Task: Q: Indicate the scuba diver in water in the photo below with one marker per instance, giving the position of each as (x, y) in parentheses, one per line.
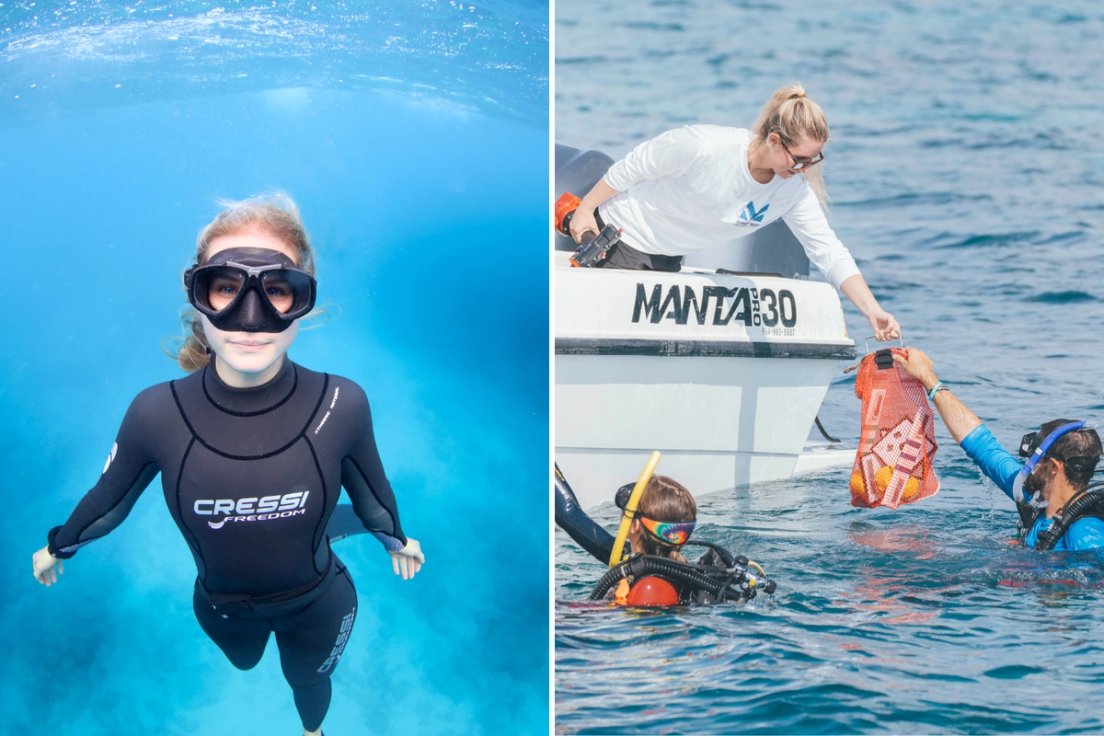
(253, 451)
(1060, 508)
(658, 516)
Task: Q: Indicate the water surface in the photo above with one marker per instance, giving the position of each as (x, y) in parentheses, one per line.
(965, 173)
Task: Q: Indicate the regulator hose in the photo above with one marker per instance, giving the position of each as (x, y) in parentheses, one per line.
(1089, 496)
(717, 581)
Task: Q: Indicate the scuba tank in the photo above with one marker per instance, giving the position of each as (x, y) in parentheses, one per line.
(717, 577)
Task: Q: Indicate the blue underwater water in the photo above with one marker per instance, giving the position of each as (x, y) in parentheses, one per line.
(966, 177)
(425, 195)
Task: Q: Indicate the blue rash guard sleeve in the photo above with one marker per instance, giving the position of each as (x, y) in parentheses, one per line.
(996, 462)
(1002, 467)
(1086, 533)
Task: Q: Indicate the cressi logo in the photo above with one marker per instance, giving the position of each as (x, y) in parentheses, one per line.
(252, 508)
(339, 645)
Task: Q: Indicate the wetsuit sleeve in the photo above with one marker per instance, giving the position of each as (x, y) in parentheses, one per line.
(129, 469)
(1086, 533)
(824, 249)
(364, 480)
(995, 461)
(580, 527)
(674, 153)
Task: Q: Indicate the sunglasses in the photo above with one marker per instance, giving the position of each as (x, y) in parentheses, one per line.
(803, 162)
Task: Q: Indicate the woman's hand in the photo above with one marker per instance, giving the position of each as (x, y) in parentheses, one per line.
(583, 219)
(408, 560)
(44, 563)
(884, 324)
(581, 222)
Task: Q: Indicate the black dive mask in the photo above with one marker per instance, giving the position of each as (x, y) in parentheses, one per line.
(250, 290)
(621, 498)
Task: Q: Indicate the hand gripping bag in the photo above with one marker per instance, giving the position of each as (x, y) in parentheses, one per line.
(894, 462)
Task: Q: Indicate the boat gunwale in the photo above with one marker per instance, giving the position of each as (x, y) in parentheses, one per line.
(658, 347)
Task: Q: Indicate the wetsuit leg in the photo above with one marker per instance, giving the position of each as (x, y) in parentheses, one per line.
(311, 643)
(242, 641)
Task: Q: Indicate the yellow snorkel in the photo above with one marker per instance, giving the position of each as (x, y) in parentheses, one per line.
(629, 511)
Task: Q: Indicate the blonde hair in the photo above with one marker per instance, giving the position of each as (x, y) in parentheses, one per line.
(793, 116)
(668, 500)
(274, 214)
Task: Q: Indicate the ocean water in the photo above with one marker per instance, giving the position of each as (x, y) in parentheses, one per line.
(121, 126)
(966, 177)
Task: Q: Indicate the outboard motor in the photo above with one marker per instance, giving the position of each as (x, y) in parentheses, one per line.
(577, 171)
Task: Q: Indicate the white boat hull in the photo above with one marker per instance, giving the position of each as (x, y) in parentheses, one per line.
(727, 402)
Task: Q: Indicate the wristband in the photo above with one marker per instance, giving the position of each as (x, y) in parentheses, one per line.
(936, 389)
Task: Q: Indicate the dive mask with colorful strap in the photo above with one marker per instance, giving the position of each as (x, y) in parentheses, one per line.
(670, 533)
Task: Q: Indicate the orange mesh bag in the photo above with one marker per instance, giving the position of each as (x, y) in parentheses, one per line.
(894, 462)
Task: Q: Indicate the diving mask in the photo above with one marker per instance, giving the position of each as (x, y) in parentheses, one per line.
(1034, 447)
(669, 533)
(250, 290)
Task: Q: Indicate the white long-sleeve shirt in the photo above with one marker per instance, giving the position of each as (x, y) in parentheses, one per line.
(690, 189)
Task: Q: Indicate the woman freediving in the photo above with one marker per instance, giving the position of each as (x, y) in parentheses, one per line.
(702, 186)
(253, 451)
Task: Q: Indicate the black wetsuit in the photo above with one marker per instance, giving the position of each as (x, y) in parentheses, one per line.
(580, 527)
(251, 477)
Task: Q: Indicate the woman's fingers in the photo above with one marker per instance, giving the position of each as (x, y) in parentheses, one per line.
(885, 327)
(395, 563)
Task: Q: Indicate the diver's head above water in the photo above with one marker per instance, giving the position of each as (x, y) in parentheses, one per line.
(1070, 453)
(253, 280)
(664, 519)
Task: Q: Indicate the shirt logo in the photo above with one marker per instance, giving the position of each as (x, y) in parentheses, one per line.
(750, 217)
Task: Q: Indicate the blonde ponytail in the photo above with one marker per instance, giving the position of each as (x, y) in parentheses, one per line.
(794, 117)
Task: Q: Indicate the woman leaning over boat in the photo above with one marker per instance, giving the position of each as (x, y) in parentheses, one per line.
(702, 186)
